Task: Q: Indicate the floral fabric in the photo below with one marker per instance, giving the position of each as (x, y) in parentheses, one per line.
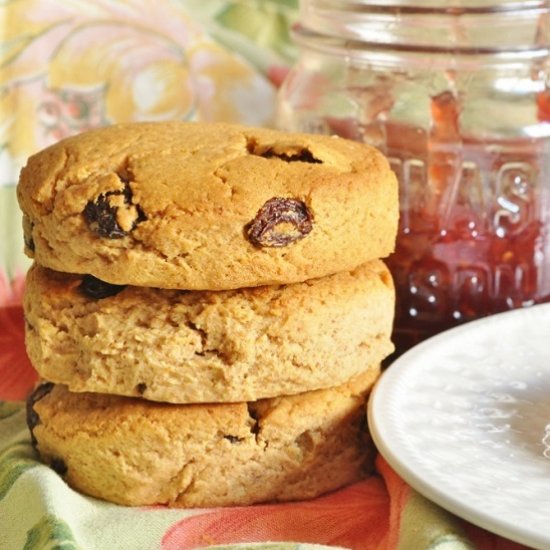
(70, 65)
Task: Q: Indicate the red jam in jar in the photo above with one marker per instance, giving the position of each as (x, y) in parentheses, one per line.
(473, 235)
(456, 97)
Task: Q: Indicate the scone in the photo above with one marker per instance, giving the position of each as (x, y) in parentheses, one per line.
(207, 206)
(135, 452)
(198, 346)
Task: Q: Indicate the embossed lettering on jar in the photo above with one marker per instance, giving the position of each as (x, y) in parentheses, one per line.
(456, 95)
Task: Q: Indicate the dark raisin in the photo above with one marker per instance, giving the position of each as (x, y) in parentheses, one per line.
(58, 465)
(27, 234)
(280, 222)
(233, 438)
(141, 387)
(102, 213)
(32, 417)
(254, 415)
(29, 243)
(96, 288)
(304, 155)
(101, 218)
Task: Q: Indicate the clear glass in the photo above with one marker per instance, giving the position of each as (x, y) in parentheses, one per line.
(456, 95)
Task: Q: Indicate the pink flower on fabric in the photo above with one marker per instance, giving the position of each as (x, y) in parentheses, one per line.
(17, 376)
(355, 517)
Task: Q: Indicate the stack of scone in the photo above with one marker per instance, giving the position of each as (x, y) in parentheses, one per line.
(207, 310)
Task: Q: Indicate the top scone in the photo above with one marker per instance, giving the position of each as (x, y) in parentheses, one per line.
(206, 206)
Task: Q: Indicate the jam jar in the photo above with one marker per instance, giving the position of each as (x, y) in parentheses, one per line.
(455, 94)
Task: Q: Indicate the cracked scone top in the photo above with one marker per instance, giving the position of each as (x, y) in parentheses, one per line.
(206, 206)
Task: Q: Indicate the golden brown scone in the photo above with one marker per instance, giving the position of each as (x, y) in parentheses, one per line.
(136, 452)
(207, 206)
(200, 346)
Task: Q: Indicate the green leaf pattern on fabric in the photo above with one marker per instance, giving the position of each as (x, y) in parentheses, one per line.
(263, 22)
(258, 30)
(440, 530)
(51, 532)
(450, 542)
(8, 409)
(14, 461)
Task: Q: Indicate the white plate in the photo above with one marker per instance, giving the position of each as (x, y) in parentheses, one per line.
(464, 418)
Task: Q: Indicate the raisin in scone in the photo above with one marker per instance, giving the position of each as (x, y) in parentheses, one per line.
(137, 452)
(202, 346)
(206, 206)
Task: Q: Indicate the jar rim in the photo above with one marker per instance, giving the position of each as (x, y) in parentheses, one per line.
(514, 26)
(332, 44)
(447, 7)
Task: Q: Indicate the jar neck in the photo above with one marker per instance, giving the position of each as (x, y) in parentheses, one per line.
(458, 26)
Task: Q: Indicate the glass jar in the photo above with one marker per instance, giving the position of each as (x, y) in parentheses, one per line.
(455, 94)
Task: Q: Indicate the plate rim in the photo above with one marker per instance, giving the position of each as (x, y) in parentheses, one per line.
(379, 427)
